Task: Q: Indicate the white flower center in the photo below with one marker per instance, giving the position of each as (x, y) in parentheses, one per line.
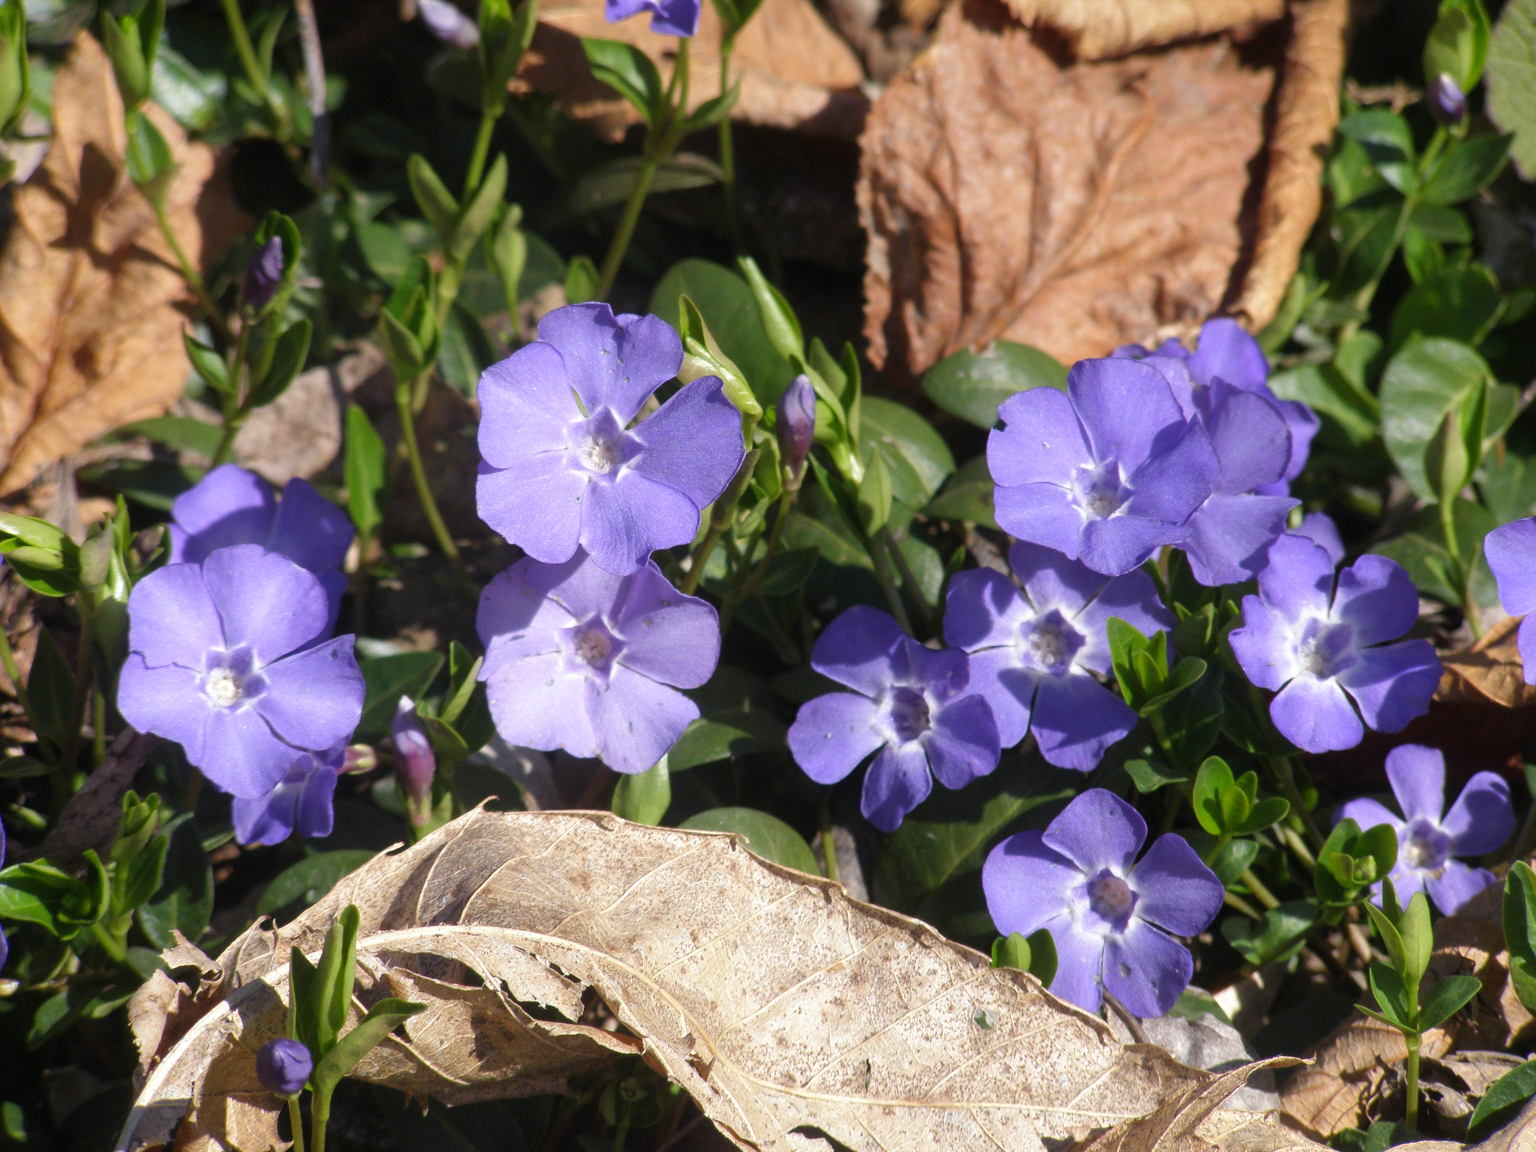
(1051, 644)
(1325, 649)
(907, 712)
(1110, 899)
(1425, 848)
(598, 455)
(223, 687)
(1101, 492)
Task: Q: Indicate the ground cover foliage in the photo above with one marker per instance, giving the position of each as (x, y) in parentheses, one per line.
(777, 576)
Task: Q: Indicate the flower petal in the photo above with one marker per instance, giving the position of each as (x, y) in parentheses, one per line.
(265, 600)
(228, 506)
(171, 618)
(669, 637)
(857, 649)
(832, 735)
(1117, 545)
(537, 703)
(1368, 813)
(1265, 646)
(1076, 720)
(1298, 579)
(1026, 883)
(1456, 886)
(692, 442)
(981, 609)
(897, 782)
(1393, 684)
(1226, 352)
(526, 407)
(1097, 830)
(1229, 537)
(1041, 440)
(1124, 407)
(627, 520)
(536, 506)
(1417, 776)
(1146, 970)
(1044, 514)
(1315, 715)
(1376, 598)
(241, 754)
(637, 720)
(1482, 818)
(1008, 689)
(963, 744)
(1511, 553)
(314, 698)
(1174, 888)
(1079, 964)
(310, 530)
(167, 701)
(613, 361)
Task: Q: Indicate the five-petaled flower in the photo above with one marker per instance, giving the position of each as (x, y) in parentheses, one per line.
(228, 658)
(1035, 653)
(1322, 647)
(910, 707)
(300, 803)
(580, 659)
(1106, 473)
(565, 467)
(1429, 837)
(1108, 915)
(668, 17)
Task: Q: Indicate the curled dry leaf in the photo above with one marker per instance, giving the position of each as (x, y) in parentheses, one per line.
(1187, 1121)
(1491, 670)
(91, 303)
(1100, 28)
(1352, 1068)
(784, 1008)
(795, 72)
(1078, 205)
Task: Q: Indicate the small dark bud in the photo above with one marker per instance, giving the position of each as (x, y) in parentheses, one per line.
(1447, 102)
(796, 426)
(415, 762)
(263, 275)
(283, 1066)
(448, 24)
(359, 758)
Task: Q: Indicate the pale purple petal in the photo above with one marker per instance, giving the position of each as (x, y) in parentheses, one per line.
(301, 802)
(1525, 641)
(1368, 813)
(897, 781)
(167, 700)
(1146, 970)
(1511, 553)
(1457, 885)
(613, 361)
(1226, 352)
(676, 17)
(1406, 882)
(1124, 407)
(1417, 776)
(1178, 477)
(537, 703)
(1249, 436)
(537, 506)
(857, 648)
(228, 506)
(1097, 830)
(1298, 580)
(516, 620)
(1315, 715)
(1229, 536)
(314, 698)
(832, 735)
(1175, 889)
(1026, 883)
(692, 442)
(1053, 581)
(1045, 514)
(628, 519)
(1121, 543)
(579, 587)
(1041, 440)
(980, 609)
(310, 530)
(1482, 818)
(669, 637)
(1132, 598)
(526, 407)
(1008, 690)
(1376, 598)
(943, 671)
(171, 618)
(963, 745)
(637, 720)
(1079, 964)
(265, 600)
(1076, 719)
(1319, 528)
(1393, 684)
(1265, 646)
(241, 753)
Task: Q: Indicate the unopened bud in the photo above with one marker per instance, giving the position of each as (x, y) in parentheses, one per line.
(263, 275)
(448, 23)
(415, 762)
(359, 758)
(1447, 102)
(796, 427)
(283, 1066)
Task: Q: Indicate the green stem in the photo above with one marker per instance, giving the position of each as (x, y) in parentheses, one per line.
(110, 945)
(246, 51)
(1448, 532)
(1260, 891)
(419, 477)
(908, 579)
(296, 1122)
(233, 400)
(728, 152)
(319, 1117)
(482, 150)
(1232, 900)
(1411, 1115)
(739, 595)
(189, 273)
(828, 847)
(875, 546)
(19, 689)
(720, 518)
(1285, 774)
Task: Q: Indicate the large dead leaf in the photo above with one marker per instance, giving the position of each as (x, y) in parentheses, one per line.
(91, 304)
(1491, 670)
(1099, 28)
(795, 72)
(1080, 204)
(792, 1014)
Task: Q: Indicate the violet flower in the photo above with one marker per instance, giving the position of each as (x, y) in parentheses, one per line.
(263, 275)
(1036, 653)
(581, 659)
(1511, 554)
(796, 427)
(228, 659)
(669, 17)
(910, 708)
(284, 1066)
(1319, 528)
(1109, 916)
(1428, 837)
(448, 22)
(1107, 473)
(1322, 647)
(300, 803)
(565, 470)
(233, 506)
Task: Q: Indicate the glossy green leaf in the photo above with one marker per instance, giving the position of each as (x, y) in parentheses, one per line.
(363, 468)
(915, 455)
(1458, 303)
(1464, 170)
(765, 834)
(387, 678)
(1503, 1100)
(1512, 80)
(644, 797)
(629, 72)
(971, 385)
(310, 879)
(1427, 379)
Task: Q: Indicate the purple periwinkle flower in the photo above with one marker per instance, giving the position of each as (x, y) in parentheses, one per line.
(581, 659)
(233, 506)
(1036, 652)
(1109, 915)
(566, 467)
(448, 23)
(911, 708)
(1428, 837)
(796, 428)
(1322, 646)
(300, 803)
(669, 17)
(1106, 473)
(283, 1066)
(1447, 102)
(415, 762)
(228, 658)
(1511, 553)
(1319, 528)
(263, 275)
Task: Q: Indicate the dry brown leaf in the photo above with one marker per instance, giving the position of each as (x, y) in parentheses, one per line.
(91, 304)
(795, 72)
(1099, 28)
(1350, 1069)
(1519, 1135)
(1071, 207)
(1490, 670)
(783, 1007)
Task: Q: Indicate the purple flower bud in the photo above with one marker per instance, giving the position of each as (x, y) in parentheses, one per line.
(263, 275)
(415, 763)
(448, 23)
(796, 426)
(283, 1066)
(1447, 102)
(359, 758)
